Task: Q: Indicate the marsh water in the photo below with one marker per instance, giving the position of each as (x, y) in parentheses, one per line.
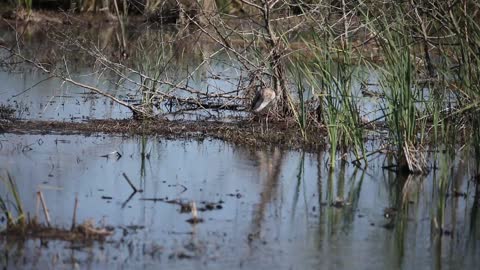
(272, 208)
(261, 208)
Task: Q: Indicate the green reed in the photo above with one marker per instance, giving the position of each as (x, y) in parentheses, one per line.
(397, 81)
(13, 210)
(152, 64)
(331, 73)
(300, 111)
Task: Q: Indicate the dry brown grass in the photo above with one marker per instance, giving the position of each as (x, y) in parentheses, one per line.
(83, 232)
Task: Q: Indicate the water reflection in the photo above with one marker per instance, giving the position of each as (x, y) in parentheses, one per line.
(178, 58)
(278, 208)
(269, 168)
(190, 62)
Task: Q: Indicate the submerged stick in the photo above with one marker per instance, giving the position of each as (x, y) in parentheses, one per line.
(45, 209)
(74, 218)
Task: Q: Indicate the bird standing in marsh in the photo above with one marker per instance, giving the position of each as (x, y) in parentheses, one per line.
(262, 99)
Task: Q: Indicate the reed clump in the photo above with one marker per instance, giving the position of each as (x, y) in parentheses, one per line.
(20, 226)
(12, 209)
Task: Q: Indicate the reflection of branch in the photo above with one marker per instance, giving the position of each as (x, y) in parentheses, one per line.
(128, 199)
(223, 42)
(74, 217)
(33, 86)
(119, 69)
(131, 184)
(184, 188)
(52, 73)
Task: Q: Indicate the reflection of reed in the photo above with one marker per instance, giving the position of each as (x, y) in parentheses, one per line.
(459, 174)
(474, 216)
(319, 180)
(335, 217)
(338, 199)
(269, 167)
(300, 179)
(406, 191)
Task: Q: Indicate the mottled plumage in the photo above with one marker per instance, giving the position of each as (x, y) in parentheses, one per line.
(262, 98)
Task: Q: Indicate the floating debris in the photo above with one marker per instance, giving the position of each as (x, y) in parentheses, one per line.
(82, 232)
(339, 203)
(186, 206)
(135, 190)
(181, 255)
(237, 195)
(390, 212)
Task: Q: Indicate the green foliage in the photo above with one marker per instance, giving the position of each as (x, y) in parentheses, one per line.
(299, 111)
(397, 81)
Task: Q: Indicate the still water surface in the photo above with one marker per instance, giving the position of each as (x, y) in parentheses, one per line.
(276, 207)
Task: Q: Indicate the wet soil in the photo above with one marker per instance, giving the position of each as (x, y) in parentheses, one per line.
(284, 134)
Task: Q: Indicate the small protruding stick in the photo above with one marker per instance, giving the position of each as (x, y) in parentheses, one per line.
(74, 218)
(195, 219)
(129, 182)
(37, 209)
(194, 211)
(45, 209)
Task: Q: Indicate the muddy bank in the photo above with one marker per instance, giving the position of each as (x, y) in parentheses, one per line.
(284, 134)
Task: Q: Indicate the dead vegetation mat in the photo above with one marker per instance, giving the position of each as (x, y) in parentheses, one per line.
(284, 134)
(83, 232)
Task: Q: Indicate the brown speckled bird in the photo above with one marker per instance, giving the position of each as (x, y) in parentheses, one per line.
(262, 99)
